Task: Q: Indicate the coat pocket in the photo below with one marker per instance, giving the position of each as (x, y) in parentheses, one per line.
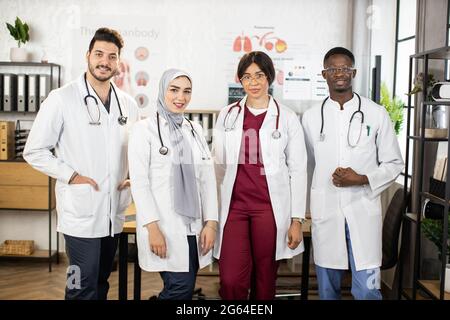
(78, 200)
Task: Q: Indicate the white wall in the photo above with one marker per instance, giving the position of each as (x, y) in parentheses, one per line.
(196, 32)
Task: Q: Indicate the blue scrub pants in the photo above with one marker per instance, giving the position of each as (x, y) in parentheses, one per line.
(90, 264)
(181, 285)
(365, 283)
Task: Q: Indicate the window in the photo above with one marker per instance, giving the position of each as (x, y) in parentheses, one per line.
(447, 66)
(405, 44)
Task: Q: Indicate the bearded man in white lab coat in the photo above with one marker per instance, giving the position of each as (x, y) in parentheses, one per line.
(87, 123)
(353, 156)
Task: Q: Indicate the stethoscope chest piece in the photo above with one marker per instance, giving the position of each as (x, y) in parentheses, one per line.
(163, 150)
(122, 120)
(322, 137)
(276, 134)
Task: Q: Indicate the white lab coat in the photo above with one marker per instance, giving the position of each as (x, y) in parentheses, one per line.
(95, 151)
(284, 159)
(377, 155)
(152, 189)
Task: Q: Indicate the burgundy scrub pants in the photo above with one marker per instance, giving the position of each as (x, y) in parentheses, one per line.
(247, 258)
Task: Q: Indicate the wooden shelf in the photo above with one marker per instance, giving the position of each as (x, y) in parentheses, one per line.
(439, 53)
(37, 254)
(28, 64)
(432, 288)
(433, 198)
(436, 103)
(418, 138)
(407, 293)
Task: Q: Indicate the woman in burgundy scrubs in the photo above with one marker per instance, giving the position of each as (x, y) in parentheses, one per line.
(260, 157)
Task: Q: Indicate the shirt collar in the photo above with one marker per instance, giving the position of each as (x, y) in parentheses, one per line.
(271, 109)
(350, 104)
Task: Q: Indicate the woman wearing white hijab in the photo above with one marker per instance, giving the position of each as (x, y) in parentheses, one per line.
(174, 189)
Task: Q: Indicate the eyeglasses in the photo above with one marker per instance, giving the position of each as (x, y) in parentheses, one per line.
(334, 71)
(258, 77)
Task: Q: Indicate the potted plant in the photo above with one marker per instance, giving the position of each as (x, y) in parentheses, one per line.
(394, 107)
(432, 229)
(20, 32)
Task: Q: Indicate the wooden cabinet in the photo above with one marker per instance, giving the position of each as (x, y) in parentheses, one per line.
(24, 188)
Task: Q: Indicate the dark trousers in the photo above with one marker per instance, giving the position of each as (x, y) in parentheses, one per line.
(180, 285)
(247, 258)
(90, 264)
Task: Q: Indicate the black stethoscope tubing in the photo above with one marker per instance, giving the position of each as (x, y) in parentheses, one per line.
(122, 120)
(275, 134)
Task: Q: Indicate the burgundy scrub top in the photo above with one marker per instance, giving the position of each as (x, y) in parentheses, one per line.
(250, 191)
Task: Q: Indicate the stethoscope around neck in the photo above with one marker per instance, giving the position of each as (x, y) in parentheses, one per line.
(122, 119)
(276, 134)
(322, 135)
(163, 150)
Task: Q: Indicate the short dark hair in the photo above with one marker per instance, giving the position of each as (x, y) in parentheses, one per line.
(262, 60)
(108, 35)
(339, 50)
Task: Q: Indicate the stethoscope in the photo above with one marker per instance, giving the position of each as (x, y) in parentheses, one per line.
(122, 120)
(322, 135)
(275, 134)
(163, 150)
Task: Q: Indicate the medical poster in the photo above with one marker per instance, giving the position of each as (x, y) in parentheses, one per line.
(142, 58)
(295, 65)
(319, 86)
(297, 80)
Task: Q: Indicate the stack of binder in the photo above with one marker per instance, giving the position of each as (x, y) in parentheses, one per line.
(9, 92)
(7, 140)
(23, 92)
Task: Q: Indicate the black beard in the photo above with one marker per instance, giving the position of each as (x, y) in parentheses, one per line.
(92, 72)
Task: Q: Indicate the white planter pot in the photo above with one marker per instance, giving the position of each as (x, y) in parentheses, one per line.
(18, 55)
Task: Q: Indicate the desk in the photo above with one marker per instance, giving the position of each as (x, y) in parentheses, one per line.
(130, 228)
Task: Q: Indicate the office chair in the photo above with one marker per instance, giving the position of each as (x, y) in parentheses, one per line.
(391, 236)
(391, 230)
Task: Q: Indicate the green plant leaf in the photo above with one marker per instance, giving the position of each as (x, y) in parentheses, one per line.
(433, 231)
(23, 33)
(18, 23)
(20, 31)
(12, 31)
(394, 107)
(27, 29)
